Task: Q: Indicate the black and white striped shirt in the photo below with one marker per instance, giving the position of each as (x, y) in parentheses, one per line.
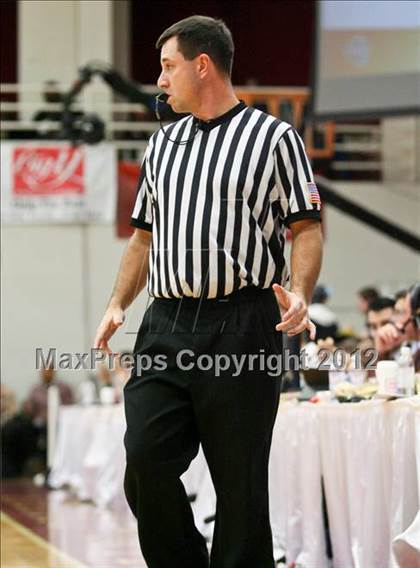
(218, 206)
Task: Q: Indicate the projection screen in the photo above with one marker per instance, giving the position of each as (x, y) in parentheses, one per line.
(367, 59)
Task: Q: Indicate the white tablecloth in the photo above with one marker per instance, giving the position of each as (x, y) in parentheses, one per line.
(368, 455)
(89, 454)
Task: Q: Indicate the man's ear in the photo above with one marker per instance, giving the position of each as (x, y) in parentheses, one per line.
(203, 64)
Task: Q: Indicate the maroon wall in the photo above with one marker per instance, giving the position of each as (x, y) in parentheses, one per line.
(273, 38)
(8, 41)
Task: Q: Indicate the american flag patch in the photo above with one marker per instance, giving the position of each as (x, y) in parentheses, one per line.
(313, 193)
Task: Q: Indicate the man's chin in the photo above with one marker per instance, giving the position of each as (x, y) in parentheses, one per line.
(173, 105)
(176, 107)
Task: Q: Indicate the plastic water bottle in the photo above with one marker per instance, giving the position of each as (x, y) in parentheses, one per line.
(405, 372)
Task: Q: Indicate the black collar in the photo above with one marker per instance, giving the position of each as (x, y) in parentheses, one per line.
(207, 125)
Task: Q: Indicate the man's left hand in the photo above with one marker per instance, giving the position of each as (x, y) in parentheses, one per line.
(294, 313)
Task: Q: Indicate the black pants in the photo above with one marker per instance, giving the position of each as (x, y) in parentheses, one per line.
(175, 404)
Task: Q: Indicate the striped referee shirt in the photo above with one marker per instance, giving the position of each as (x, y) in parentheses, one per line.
(218, 206)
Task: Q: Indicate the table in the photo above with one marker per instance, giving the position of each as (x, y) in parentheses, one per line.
(89, 454)
(365, 455)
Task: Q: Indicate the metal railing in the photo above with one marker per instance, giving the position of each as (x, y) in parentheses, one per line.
(128, 125)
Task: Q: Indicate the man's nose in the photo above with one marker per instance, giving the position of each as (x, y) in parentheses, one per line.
(162, 82)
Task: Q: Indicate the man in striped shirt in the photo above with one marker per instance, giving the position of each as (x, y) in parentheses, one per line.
(216, 191)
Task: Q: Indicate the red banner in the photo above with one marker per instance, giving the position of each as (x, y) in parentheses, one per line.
(47, 170)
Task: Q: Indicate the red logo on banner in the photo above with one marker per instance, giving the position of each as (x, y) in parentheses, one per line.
(48, 171)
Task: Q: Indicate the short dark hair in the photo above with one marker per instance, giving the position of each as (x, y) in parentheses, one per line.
(381, 303)
(320, 294)
(400, 294)
(368, 293)
(201, 34)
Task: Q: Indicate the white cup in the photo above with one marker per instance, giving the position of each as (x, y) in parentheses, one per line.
(386, 375)
(107, 395)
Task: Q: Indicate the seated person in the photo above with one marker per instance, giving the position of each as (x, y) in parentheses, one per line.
(400, 307)
(380, 312)
(404, 327)
(364, 297)
(322, 316)
(35, 407)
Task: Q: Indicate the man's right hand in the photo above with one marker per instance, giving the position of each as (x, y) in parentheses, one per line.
(112, 320)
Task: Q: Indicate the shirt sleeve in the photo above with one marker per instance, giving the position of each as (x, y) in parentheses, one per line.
(298, 194)
(142, 215)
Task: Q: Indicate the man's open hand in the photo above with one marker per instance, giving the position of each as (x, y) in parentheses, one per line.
(112, 320)
(294, 313)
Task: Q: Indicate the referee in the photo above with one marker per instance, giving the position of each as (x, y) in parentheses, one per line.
(216, 191)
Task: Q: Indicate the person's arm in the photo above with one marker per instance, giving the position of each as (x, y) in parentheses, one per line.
(300, 207)
(130, 281)
(306, 256)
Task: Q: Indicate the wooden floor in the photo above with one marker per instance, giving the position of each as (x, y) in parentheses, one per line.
(49, 529)
(21, 548)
